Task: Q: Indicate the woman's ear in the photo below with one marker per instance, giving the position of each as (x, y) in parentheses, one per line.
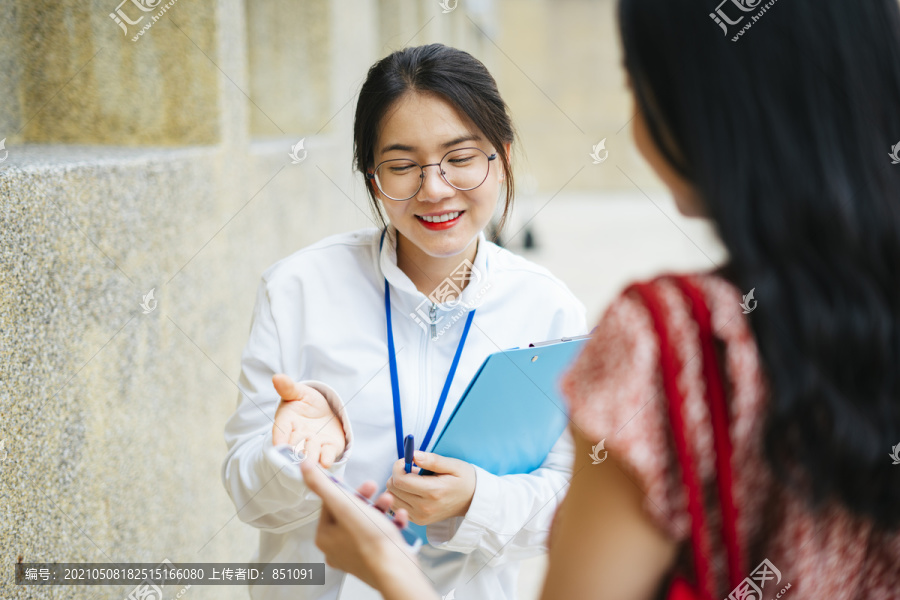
(374, 188)
(507, 148)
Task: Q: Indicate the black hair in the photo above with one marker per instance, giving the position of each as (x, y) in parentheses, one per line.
(784, 130)
(454, 75)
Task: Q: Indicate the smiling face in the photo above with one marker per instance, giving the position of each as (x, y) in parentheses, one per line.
(440, 221)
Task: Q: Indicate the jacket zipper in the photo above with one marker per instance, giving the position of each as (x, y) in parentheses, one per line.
(432, 314)
(425, 378)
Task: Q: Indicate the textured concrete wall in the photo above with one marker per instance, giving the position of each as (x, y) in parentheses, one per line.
(111, 419)
(163, 164)
(74, 57)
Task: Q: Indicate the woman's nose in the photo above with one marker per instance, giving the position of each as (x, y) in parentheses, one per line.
(434, 188)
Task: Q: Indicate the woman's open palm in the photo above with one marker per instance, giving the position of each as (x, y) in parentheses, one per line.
(305, 415)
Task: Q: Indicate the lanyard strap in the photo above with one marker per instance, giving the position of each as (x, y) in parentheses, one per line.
(395, 387)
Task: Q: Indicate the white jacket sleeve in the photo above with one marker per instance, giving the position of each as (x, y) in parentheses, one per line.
(510, 515)
(268, 493)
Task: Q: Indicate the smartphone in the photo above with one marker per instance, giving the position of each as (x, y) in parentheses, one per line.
(296, 456)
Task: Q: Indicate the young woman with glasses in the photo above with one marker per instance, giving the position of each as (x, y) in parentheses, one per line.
(753, 442)
(385, 327)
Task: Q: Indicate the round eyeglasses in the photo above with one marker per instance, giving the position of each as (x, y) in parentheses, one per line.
(463, 169)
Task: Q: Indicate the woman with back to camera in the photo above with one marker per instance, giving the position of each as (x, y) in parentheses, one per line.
(432, 137)
(781, 139)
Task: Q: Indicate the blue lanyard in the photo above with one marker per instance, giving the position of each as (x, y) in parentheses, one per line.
(395, 387)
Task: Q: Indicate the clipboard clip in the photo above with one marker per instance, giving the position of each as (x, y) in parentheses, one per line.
(560, 340)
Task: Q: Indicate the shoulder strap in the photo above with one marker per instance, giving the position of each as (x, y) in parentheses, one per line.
(718, 409)
(671, 366)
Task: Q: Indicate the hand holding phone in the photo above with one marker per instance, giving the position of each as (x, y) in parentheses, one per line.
(295, 456)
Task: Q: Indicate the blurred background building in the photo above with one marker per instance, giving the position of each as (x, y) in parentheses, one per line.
(147, 147)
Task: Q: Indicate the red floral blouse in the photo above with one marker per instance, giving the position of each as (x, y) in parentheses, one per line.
(615, 394)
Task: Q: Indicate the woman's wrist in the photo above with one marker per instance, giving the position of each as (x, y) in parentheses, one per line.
(386, 572)
(464, 509)
(398, 577)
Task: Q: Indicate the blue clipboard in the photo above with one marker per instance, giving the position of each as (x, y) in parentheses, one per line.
(512, 413)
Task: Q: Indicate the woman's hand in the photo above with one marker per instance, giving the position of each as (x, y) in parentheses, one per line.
(358, 539)
(305, 415)
(430, 499)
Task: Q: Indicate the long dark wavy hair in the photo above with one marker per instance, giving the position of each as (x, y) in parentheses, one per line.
(454, 75)
(785, 131)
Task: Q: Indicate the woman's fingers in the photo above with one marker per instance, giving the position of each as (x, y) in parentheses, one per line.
(407, 483)
(335, 501)
(328, 455)
(399, 504)
(401, 517)
(367, 488)
(439, 464)
(287, 430)
(384, 502)
(285, 387)
(351, 534)
(313, 450)
(332, 498)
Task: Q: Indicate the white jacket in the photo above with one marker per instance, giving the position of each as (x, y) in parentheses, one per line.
(319, 318)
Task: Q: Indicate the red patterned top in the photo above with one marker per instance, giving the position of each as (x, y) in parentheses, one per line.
(615, 392)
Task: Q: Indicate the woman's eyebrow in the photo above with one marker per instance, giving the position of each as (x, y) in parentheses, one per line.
(459, 140)
(402, 147)
(463, 138)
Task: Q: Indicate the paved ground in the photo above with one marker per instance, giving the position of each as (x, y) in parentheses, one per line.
(597, 244)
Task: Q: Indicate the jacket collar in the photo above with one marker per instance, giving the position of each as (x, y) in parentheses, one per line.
(403, 287)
